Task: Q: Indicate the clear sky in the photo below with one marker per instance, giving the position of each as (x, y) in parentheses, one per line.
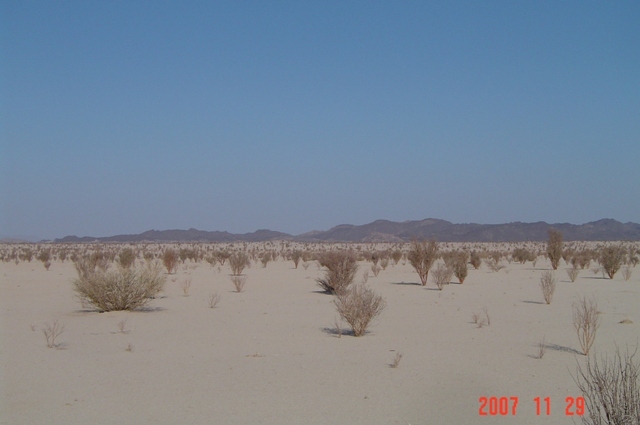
(124, 116)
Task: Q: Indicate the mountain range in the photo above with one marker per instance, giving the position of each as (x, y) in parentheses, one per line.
(390, 231)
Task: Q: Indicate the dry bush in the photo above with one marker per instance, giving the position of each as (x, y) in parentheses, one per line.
(359, 306)
(548, 285)
(384, 263)
(170, 260)
(119, 289)
(542, 348)
(554, 248)
(493, 264)
(396, 256)
(238, 261)
(421, 256)
(365, 276)
(442, 275)
(266, 257)
(122, 326)
(475, 260)
(612, 258)
(341, 270)
(238, 282)
(573, 273)
(185, 284)
(296, 256)
(52, 331)
(459, 265)
(522, 255)
(586, 321)
(214, 299)
(126, 257)
(611, 389)
(222, 256)
(375, 269)
(396, 361)
(626, 273)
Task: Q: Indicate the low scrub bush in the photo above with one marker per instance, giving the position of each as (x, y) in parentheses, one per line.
(359, 306)
(238, 261)
(341, 270)
(120, 288)
(442, 275)
(548, 286)
(586, 321)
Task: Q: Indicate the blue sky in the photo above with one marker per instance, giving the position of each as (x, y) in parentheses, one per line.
(124, 116)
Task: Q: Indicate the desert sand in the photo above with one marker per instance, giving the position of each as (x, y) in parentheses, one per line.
(270, 354)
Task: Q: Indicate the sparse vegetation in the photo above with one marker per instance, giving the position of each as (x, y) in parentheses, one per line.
(359, 306)
(396, 361)
(214, 299)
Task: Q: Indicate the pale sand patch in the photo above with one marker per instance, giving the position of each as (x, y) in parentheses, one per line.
(264, 356)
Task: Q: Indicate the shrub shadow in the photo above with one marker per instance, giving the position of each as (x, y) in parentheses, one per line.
(338, 331)
(407, 283)
(556, 347)
(533, 302)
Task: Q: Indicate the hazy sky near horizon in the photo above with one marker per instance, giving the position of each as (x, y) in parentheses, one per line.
(124, 116)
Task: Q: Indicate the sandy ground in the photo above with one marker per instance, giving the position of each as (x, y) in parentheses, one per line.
(268, 356)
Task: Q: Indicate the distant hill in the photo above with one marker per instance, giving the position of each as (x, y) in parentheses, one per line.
(390, 231)
(445, 231)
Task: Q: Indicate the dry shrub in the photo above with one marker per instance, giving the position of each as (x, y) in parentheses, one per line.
(296, 256)
(554, 248)
(542, 348)
(341, 270)
(170, 260)
(548, 285)
(396, 361)
(611, 389)
(375, 269)
(238, 261)
(442, 275)
(612, 258)
(214, 299)
(573, 273)
(494, 264)
(359, 306)
(459, 265)
(475, 260)
(119, 289)
(626, 273)
(52, 331)
(586, 321)
(421, 256)
(396, 256)
(126, 257)
(238, 282)
(185, 284)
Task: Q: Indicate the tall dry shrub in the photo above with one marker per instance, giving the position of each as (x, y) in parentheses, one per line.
(459, 265)
(359, 306)
(421, 256)
(586, 321)
(341, 270)
(441, 275)
(554, 248)
(170, 260)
